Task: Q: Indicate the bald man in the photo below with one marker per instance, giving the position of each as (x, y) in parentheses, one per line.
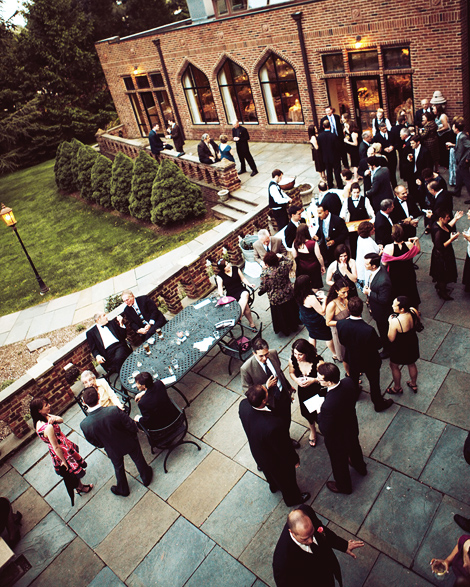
(304, 553)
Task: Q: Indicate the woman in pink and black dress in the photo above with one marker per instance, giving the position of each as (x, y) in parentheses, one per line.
(459, 560)
(309, 260)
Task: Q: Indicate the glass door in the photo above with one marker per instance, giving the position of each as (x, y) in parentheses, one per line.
(367, 98)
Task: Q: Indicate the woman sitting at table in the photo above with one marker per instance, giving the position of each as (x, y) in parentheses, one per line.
(106, 395)
(233, 280)
(157, 409)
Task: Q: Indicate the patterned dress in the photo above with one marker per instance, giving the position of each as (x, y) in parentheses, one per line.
(77, 465)
(276, 283)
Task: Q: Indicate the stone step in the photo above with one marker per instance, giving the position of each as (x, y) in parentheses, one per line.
(239, 205)
(224, 212)
(244, 196)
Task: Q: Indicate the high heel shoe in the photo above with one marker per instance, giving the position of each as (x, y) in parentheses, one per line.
(84, 489)
(335, 359)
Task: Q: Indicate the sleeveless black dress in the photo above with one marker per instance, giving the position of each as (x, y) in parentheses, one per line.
(403, 277)
(306, 393)
(233, 284)
(404, 350)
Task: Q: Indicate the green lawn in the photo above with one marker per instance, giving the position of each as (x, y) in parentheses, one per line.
(72, 245)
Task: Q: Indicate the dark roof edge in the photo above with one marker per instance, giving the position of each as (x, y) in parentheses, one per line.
(160, 29)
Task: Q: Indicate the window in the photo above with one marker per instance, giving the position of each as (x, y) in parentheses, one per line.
(400, 96)
(142, 82)
(150, 108)
(165, 105)
(129, 83)
(236, 93)
(333, 63)
(280, 92)
(396, 58)
(157, 80)
(199, 96)
(364, 60)
(138, 114)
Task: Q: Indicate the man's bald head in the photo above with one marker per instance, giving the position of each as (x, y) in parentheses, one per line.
(300, 526)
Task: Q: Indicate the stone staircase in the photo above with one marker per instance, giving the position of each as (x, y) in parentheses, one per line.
(235, 208)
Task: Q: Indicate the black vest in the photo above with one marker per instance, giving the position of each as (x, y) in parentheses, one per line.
(272, 204)
(359, 213)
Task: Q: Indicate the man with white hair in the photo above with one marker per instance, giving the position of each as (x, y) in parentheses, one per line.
(266, 243)
(207, 150)
(241, 137)
(107, 342)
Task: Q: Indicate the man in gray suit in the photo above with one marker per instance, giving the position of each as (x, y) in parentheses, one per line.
(381, 186)
(266, 243)
(462, 157)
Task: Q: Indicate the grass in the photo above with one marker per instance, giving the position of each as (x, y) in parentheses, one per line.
(72, 245)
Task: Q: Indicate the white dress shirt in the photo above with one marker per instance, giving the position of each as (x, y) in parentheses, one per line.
(107, 336)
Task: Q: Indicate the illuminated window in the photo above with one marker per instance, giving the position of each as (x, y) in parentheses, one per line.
(199, 96)
(236, 93)
(396, 58)
(280, 92)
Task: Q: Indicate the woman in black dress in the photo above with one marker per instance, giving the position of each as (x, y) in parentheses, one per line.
(309, 260)
(317, 156)
(404, 349)
(443, 268)
(351, 140)
(398, 257)
(233, 279)
(303, 370)
(344, 267)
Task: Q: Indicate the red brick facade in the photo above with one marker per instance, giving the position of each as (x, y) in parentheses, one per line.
(435, 31)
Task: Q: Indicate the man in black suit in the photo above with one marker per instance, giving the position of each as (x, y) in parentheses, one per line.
(142, 313)
(462, 157)
(440, 200)
(329, 198)
(112, 429)
(365, 144)
(381, 188)
(270, 445)
(176, 135)
(362, 346)
(383, 223)
(207, 150)
(332, 231)
(335, 123)
(419, 113)
(295, 214)
(331, 152)
(404, 150)
(156, 143)
(241, 137)
(107, 342)
(157, 409)
(378, 289)
(337, 421)
(405, 212)
(304, 552)
(384, 137)
(420, 159)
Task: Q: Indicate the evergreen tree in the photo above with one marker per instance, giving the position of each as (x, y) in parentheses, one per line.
(101, 181)
(65, 180)
(86, 158)
(75, 146)
(174, 197)
(58, 165)
(145, 170)
(121, 182)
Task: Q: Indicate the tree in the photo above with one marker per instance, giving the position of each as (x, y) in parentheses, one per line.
(101, 181)
(64, 175)
(75, 146)
(121, 182)
(174, 197)
(86, 157)
(145, 170)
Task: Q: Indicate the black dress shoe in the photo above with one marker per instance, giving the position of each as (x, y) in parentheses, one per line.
(384, 354)
(383, 405)
(295, 444)
(148, 478)
(114, 490)
(445, 296)
(17, 517)
(464, 523)
(259, 469)
(362, 471)
(255, 172)
(415, 266)
(305, 497)
(334, 488)
(273, 488)
(241, 171)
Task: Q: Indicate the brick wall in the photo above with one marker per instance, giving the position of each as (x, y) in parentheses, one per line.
(434, 29)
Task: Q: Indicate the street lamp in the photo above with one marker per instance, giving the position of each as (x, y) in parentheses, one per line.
(10, 220)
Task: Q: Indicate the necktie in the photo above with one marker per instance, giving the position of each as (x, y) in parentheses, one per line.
(139, 314)
(333, 124)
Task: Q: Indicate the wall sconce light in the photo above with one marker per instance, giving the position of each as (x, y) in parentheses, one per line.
(358, 43)
(136, 69)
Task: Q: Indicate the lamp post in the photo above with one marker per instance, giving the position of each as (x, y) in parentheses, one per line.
(10, 220)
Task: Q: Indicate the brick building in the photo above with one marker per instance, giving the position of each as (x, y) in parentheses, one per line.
(276, 65)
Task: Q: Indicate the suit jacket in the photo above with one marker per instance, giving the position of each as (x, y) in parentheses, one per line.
(387, 142)
(339, 127)
(443, 201)
(178, 138)
(95, 342)
(243, 138)
(329, 147)
(398, 215)
(156, 144)
(149, 311)
(363, 146)
(338, 231)
(275, 245)
(462, 150)
(204, 153)
(293, 566)
(381, 188)
(290, 234)
(380, 297)
(394, 136)
(423, 162)
(157, 409)
(406, 167)
(112, 429)
(383, 230)
(333, 202)
(419, 116)
(362, 343)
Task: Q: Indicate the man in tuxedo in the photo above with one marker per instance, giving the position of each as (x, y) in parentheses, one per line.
(156, 143)
(304, 552)
(383, 223)
(419, 113)
(379, 293)
(156, 408)
(330, 198)
(385, 139)
(278, 200)
(331, 152)
(270, 444)
(241, 137)
(112, 429)
(440, 200)
(295, 214)
(332, 231)
(107, 342)
(143, 314)
(264, 368)
(404, 149)
(381, 188)
(356, 207)
(420, 159)
(462, 157)
(266, 243)
(365, 144)
(176, 135)
(405, 212)
(362, 346)
(207, 150)
(335, 123)
(337, 421)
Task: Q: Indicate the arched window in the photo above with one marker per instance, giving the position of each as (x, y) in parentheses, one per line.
(199, 96)
(280, 91)
(236, 93)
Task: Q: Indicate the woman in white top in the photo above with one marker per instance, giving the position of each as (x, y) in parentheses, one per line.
(365, 244)
(106, 395)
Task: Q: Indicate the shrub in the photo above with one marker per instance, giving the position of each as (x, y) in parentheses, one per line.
(145, 170)
(101, 181)
(58, 164)
(112, 301)
(86, 157)
(64, 176)
(75, 145)
(121, 181)
(174, 197)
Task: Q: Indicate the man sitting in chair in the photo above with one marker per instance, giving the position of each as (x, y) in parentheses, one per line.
(266, 243)
(157, 409)
(142, 313)
(107, 342)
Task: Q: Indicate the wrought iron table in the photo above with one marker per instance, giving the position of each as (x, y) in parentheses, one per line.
(173, 357)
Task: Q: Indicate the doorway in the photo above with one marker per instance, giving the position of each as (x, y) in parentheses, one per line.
(367, 98)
